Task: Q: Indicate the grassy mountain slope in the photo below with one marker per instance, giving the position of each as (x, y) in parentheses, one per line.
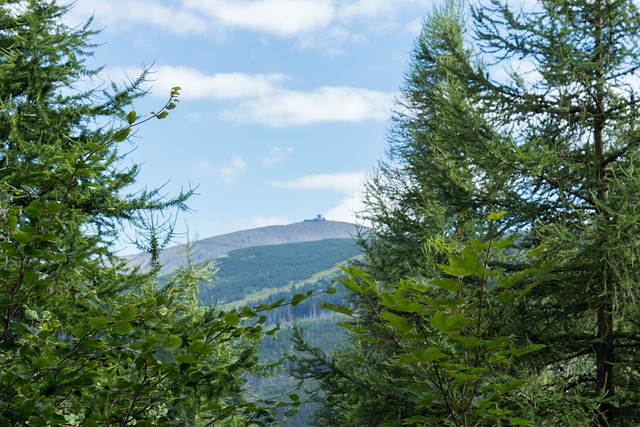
(215, 247)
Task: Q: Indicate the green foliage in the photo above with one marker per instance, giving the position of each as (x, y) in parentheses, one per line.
(443, 334)
(83, 340)
(529, 111)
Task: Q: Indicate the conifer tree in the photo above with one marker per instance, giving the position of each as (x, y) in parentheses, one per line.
(533, 112)
(84, 340)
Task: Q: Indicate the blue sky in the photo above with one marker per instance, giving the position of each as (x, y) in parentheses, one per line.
(284, 103)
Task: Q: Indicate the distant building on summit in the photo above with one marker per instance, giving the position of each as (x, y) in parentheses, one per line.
(317, 218)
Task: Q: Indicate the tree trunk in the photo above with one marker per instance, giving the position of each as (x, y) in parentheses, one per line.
(604, 349)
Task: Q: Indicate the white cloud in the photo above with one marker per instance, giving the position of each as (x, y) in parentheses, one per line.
(325, 104)
(314, 23)
(262, 98)
(231, 171)
(370, 8)
(350, 184)
(347, 210)
(221, 86)
(119, 15)
(277, 155)
(347, 182)
(278, 17)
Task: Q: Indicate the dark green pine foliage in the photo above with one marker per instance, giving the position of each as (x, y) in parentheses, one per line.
(83, 340)
(533, 112)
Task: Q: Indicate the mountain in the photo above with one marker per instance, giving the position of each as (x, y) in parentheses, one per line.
(268, 264)
(215, 247)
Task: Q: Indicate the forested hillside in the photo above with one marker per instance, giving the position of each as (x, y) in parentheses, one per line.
(262, 274)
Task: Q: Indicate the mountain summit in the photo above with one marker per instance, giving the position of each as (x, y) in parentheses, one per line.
(218, 246)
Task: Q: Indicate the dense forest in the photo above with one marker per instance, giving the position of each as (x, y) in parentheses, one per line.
(260, 274)
(497, 285)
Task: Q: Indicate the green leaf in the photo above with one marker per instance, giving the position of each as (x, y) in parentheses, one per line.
(331, 290)
(452, 285)
(453, 270)
(297, 299)
(185, 358)
(41, 362)
(121, 135)
(497, 215)
(12, 220)
(337, 308)
(444, 323)
(30, 276)
(9, 249)
(78, 332)
(500, 358)
(54, 207)
(511, 385)
(232, 319)
(351, 327)
(247, 312)
(162, 115)
(468, 341)
(127, 313)
(503, 244)
(526, 350)
(35, 209)
(507, 296)
(131, 117)
(428, 354)
(172, 342)
(462, 376)
(162, 355)
(171, 106)
(151, 319)
(444, 246)
(478, 245)
(398, 322)
(196, 347)
(511, 280)
(22, 237)
(35, 422)
(415, 420)
(122, 328)
(95, 147)
(98, 322)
